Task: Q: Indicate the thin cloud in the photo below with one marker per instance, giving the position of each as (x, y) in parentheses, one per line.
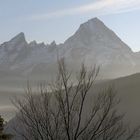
(100, 7)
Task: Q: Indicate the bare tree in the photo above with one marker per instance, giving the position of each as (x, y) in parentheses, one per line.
(62, 112)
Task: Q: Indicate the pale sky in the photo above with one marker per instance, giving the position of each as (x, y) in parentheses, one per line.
(48, 20)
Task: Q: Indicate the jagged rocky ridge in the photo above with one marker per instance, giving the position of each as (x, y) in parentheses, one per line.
(93, 43)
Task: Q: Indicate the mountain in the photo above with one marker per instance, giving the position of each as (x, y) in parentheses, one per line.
(93, 43)
(97, 44)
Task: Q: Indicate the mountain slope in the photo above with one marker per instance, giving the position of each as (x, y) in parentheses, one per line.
(127, 90)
